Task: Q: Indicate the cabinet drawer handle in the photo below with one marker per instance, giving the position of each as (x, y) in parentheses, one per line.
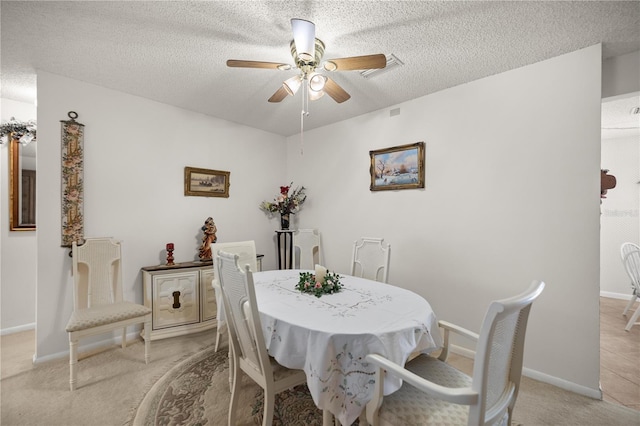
(176, 299)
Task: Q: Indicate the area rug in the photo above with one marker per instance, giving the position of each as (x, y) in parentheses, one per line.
(196, 392)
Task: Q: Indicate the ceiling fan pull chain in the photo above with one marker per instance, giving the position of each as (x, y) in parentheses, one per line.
(302, 133)
(302, 113)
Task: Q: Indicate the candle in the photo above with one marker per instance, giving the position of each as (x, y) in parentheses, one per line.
(169, 246)
(321, 271)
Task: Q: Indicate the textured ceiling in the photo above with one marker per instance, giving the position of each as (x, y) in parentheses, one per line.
(175, 52)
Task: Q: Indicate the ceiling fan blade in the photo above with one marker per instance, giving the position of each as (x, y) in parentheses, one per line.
(304, 37)
(237, 63)
(279, 95)
(366, 62)
(332, 89)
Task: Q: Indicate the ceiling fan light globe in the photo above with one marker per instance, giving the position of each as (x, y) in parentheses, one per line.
(315, 95)
(291, 85)
(316, 82)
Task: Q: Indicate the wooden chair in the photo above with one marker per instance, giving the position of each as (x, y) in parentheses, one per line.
(307, 249)
(245, 337)
(433, 392)
(246, 250)
(98, 303)
(631, 263)
(370, 259)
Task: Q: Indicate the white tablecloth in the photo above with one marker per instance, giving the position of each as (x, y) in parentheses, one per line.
(329, 337)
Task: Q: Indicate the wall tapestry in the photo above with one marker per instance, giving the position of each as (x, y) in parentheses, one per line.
(72, 180)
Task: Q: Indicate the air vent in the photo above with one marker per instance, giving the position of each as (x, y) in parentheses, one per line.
(392, 62)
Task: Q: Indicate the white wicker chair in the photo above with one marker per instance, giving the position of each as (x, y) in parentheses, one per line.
(433, 392)
(370, 259)
(625, 249)
(98, 303)
(631, 263)
(246, 250)
(307, 249)
(246, 338)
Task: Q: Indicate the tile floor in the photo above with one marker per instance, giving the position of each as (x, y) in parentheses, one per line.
(619, 354)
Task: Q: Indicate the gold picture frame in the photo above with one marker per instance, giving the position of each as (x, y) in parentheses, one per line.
(206, 182)
(398, 167)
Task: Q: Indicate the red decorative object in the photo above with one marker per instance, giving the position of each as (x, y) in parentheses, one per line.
(170, 254)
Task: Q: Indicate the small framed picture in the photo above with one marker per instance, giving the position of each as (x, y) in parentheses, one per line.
(398, 167)
(206, 183)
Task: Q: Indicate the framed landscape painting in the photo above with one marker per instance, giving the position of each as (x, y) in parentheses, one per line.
(398, 167)
(206, 183)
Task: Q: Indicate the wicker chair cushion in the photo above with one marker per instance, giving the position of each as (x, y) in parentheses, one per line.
(82, 319)
(409, 406)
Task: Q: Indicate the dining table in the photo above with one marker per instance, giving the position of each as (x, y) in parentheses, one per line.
(330, 336)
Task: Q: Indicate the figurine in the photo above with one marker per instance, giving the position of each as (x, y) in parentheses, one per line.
(209, 229)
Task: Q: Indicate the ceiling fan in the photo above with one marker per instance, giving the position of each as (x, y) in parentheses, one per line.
(307, 52)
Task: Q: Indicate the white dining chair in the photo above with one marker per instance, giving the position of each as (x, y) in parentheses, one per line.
(434, 392)
(625, 249)
(631, 263)
(370, 259)
(307, 249)
(246, 250)
(247, 340)
(98, 305)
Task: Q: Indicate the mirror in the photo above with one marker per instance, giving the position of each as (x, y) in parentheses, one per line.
(22, 185)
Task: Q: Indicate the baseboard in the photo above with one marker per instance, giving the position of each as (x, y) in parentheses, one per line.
(18, 329)
(467, 353)
(563, 384)
(541, 377)
(107, 342)
(616, 295)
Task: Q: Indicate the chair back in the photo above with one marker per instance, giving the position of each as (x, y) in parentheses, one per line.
(370, 259)
(499, 352)
(631, 263)
(246, 251)
(243, 320)
(306, 249)
(97, 272)
(625, 248)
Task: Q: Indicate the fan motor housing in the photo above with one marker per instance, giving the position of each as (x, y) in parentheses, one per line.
(310, 65)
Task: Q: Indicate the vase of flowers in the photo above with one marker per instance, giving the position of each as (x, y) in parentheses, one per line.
(286, 203)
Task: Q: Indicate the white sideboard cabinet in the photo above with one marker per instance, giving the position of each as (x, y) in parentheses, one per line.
(181, 297)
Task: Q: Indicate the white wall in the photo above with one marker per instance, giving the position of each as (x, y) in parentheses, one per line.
(134, 159)
(512, 194)
(17, 248)
(620, 74)
(620, 211)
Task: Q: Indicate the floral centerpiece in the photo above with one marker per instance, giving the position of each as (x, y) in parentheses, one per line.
(285, 203)
(328, 284)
